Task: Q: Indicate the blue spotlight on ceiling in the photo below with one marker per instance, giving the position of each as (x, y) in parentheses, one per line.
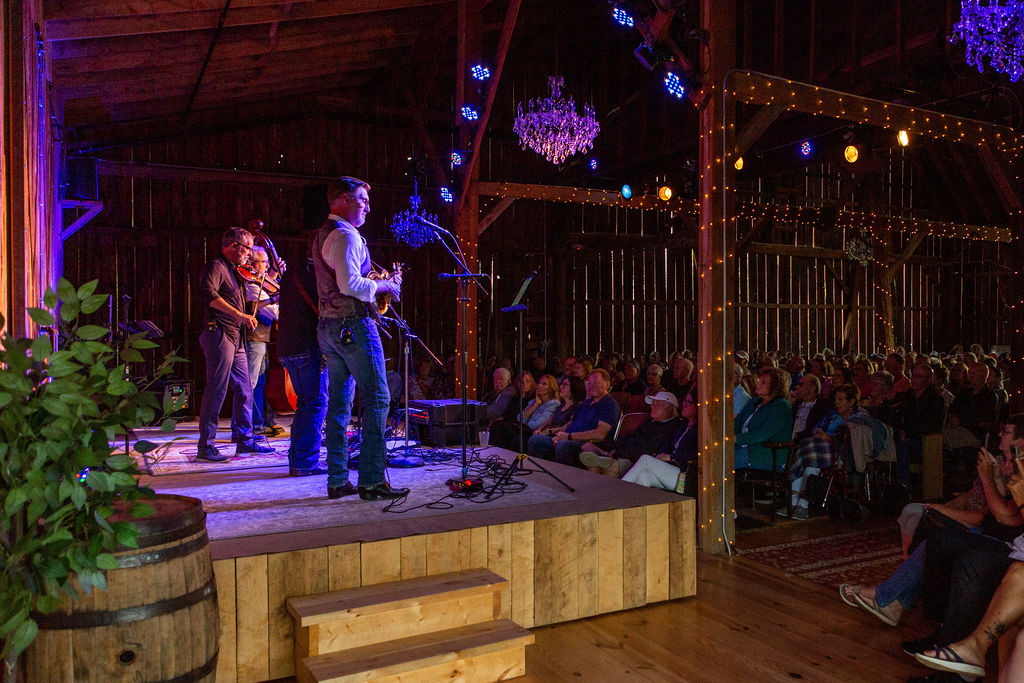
(470, 113)
(480, 72)
(622, 17)
(593, 164)
(447, 196)
(457, 158)
(806, 148)
(675, 85)
(626, 191)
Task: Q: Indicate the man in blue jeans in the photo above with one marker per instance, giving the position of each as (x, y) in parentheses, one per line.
(349, 341)
(300, 355)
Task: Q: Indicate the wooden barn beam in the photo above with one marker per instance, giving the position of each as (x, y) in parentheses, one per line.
(755, 232)
(716, 285)
(756, 126)
(1000, 176)
(69, 21)
(495, 212)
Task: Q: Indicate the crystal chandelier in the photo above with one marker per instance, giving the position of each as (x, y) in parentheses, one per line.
(552, 127)
(405, 226)
(992, 31)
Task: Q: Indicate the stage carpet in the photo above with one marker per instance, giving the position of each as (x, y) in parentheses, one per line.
(866, 556)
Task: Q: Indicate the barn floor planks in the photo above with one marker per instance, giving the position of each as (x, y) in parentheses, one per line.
(609, 546)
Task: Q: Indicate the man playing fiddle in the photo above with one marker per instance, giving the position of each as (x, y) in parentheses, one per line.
(222, 342)
(349, 340)
(263, 305)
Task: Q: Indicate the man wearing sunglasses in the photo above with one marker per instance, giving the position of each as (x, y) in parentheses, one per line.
(350, 342)
(221, 340)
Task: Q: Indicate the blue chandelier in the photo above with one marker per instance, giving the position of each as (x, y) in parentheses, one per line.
(405, 226)
(992, 31)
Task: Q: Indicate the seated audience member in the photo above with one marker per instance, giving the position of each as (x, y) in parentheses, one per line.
(567, 367)
(654, 372)
(967, 657)
(795, 367)
(862, 370)
(809, 408)
(952, 565)
(653, 436)
(572, 391)
(739, 393)
(841, 375)
(940, 379)
(664, 469)
(498, 398)
(822, 369)
(766, 417)
(538, 367)
(505, 431)
(972, 411)
(895, 365)
(815, 453)
(631, 383)
(682, 378)
(958, 377)
(920, 412)
(995, 383)
(883, 404)
(594, 421)
(422, 387)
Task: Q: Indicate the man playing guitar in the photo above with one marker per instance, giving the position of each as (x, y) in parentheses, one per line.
(349, 340)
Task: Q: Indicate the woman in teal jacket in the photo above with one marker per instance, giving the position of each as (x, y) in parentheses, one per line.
(766, 417)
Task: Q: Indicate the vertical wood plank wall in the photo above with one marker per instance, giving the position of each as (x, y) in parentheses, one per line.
(559, 569)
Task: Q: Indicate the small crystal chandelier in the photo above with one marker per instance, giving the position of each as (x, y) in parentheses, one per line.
(405, 226)
(992, 31)
(553, 128)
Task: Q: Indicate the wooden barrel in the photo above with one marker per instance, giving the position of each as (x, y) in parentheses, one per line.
(157, 620)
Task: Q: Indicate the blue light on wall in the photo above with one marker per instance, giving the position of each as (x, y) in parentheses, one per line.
(447, 196)
(622, 17)
(675, 85)
(626, 191)
(806, 148)
(457, 158)
(470, 113)
(480, 72)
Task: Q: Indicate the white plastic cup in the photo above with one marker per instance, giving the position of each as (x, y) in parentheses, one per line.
(484, 436)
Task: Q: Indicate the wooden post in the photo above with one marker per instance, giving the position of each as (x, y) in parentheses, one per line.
(716, 286)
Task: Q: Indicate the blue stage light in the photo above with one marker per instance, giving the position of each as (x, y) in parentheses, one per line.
(457, 158)
(470, 113)
(675, 85)
(626, 191)
(622, 17)
(593, 164)
(806, 148)
(480, 72)
(447, 196)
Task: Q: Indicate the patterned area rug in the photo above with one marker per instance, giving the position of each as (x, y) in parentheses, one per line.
(176, 455)
(867, 557)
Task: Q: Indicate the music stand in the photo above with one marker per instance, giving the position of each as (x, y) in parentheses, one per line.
(517, 305)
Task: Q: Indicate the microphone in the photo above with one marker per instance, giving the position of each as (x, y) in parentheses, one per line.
(408, 228)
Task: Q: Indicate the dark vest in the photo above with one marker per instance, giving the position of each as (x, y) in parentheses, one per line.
(333, 304)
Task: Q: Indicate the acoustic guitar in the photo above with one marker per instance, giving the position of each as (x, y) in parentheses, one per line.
(382, 301)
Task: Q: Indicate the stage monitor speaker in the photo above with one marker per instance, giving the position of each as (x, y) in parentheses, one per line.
(82, 179)
(177, 390)
(444, 411)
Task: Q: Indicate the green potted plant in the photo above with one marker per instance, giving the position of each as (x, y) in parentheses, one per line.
(60, 477)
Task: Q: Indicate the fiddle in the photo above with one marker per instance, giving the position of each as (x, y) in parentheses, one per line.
(247, 275)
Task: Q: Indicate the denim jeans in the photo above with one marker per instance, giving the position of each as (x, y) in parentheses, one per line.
(256, 363)
(357, 364)
(225, 366)
(564, 452)
(904, 583)
(308, 373)
(907, 449)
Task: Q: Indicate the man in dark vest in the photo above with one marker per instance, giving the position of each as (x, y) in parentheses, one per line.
(350, 342)
(223, 346)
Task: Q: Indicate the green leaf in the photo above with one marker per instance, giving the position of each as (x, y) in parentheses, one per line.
(78, 496)
(41, 348)
(107, 561)
(69, 311)
(66, 291)
(132, 356)
(119, 462)
(126, 534)
(41, 317)
(14, 621)
(50, 299)
(23, 637)
(88, 288)
(16, 498)
(143, 446)
(100, 481)
(92, 303)
(140, 510)
(168, 425)
(145, 344)
(91, 332)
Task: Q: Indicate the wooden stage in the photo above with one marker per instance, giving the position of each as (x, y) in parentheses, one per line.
(613, 546)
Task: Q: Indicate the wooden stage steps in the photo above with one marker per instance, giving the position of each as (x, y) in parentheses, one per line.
(442, 627)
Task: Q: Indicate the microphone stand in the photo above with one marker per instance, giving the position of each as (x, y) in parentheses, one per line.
(408, 335)
(463, 277)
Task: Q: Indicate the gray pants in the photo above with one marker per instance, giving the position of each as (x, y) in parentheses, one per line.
(226, 366)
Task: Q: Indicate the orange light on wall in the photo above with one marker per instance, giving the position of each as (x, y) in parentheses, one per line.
(851, 153)
(664, 193)
(903, 137)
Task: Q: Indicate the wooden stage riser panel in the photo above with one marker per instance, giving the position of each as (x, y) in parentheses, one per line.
(558, 570)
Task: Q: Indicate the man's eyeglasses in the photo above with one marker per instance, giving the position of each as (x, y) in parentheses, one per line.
(362, 201)
(243, 247)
